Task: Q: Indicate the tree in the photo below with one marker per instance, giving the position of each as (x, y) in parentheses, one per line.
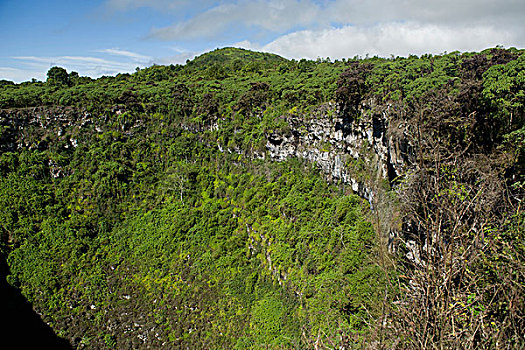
(58, 76)
(352, 87)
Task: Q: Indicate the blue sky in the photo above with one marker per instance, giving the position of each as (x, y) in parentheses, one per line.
(105, 37)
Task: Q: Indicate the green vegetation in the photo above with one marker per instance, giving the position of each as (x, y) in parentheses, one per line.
(138, 210)
(190, 241)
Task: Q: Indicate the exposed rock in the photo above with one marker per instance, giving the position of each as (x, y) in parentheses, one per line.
(356, 152)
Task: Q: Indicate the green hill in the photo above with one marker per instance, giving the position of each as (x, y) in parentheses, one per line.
(229, 55)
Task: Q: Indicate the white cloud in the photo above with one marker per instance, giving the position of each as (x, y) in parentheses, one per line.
(280, 16)
(457, 12)
(174, 7)
(134, 56)
(273, 16)
(385, 39)
(336, 28)
(124, 5)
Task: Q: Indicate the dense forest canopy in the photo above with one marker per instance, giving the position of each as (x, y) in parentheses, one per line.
(144, 210)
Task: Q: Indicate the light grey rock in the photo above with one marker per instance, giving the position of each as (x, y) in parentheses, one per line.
(332, 141)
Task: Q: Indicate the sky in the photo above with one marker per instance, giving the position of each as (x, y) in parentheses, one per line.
(107, 37)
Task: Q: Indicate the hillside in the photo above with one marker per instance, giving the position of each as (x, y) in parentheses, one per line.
(248, 201)
(236, 56)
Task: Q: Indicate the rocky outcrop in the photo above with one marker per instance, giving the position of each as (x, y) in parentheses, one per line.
(358, 152)
(34, 127)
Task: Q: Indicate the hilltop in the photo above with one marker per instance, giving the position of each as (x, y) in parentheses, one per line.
(229, 55)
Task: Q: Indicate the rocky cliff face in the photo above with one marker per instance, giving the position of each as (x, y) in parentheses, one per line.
(358, 152)
(34, 127)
